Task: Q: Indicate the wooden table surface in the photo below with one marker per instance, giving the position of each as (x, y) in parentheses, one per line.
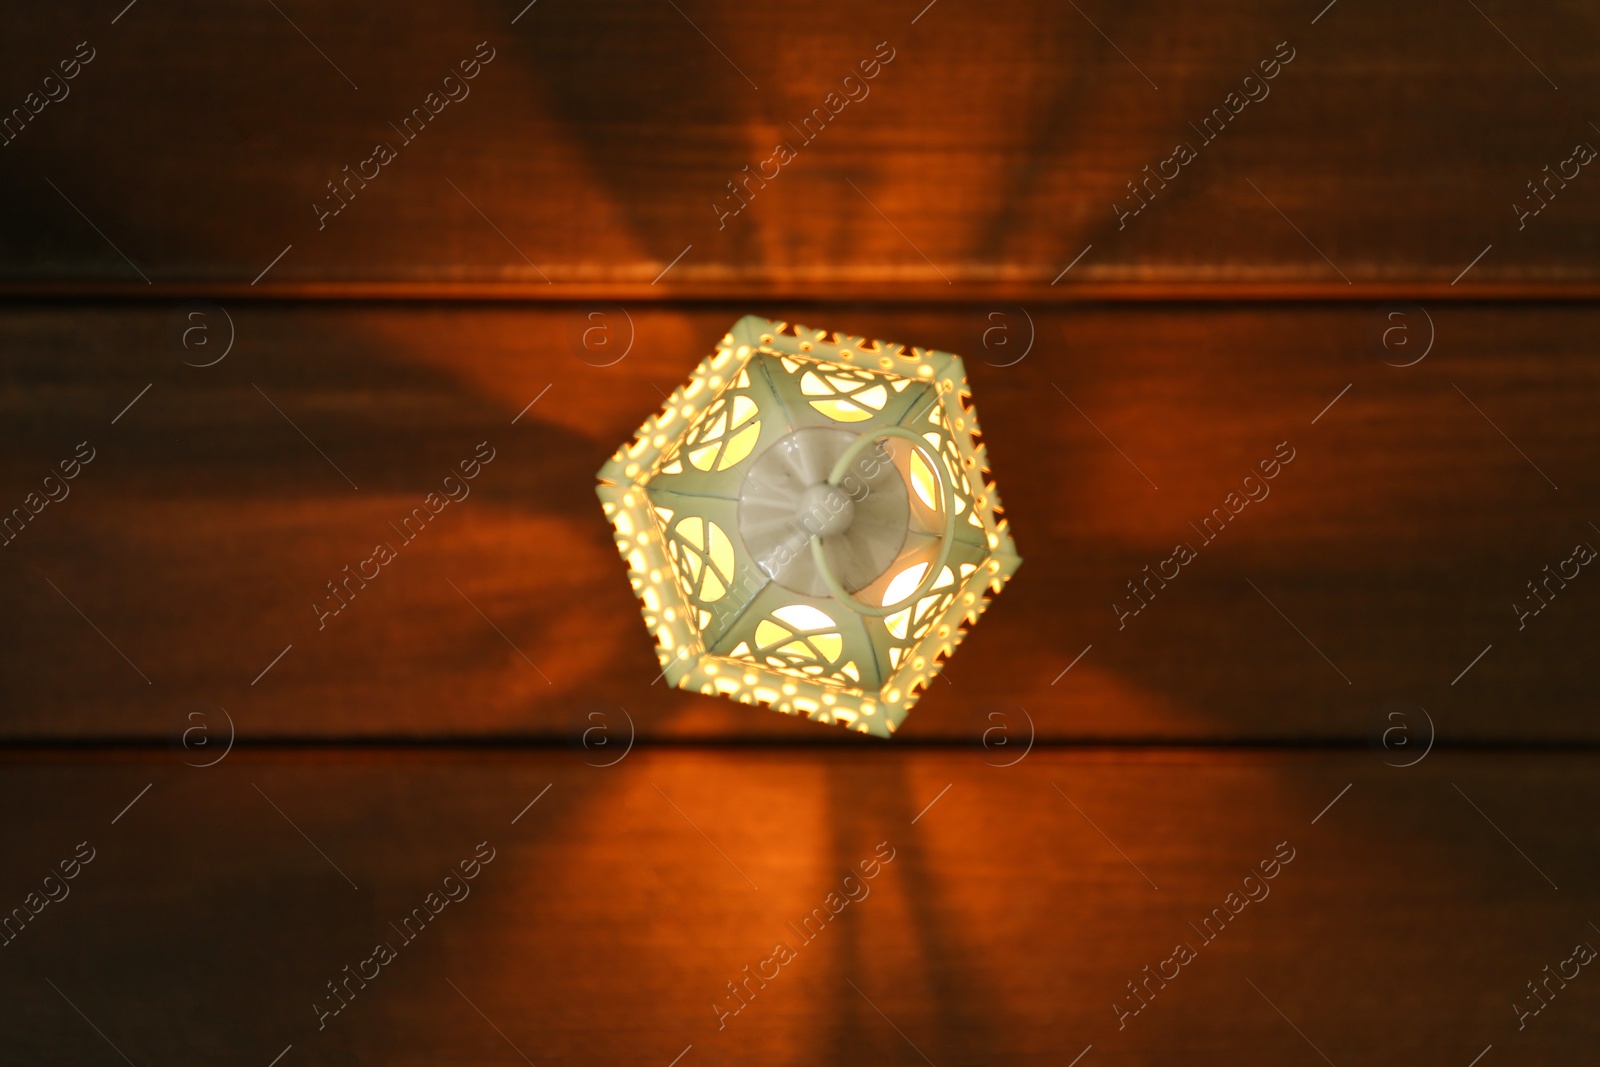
(1380, 259)
(1019, 903)
(1394, 544)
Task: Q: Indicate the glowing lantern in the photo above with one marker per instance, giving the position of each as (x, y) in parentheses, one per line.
(808, 525)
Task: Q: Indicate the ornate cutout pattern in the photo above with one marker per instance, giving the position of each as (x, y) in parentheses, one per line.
(844, 394)
(703, 555)
(727, 432)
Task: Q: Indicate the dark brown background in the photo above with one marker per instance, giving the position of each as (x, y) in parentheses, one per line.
(1120, 404)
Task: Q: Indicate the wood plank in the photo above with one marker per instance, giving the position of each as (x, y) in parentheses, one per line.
(1013, 915)
(596, 144)
(1383, 566)
(789, 292)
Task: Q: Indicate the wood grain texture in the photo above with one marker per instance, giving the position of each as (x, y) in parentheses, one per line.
(992, 148)
(1385, 561)
(526, 279)
(1014, 912)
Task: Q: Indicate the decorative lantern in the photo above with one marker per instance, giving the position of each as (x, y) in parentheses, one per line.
(808, 525)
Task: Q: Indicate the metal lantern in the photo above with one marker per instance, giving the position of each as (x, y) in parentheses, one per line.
(808, 524)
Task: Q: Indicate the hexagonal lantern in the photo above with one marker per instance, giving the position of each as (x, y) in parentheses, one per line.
(808, 525)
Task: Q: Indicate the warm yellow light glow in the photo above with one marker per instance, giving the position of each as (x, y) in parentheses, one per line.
(904, 583)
